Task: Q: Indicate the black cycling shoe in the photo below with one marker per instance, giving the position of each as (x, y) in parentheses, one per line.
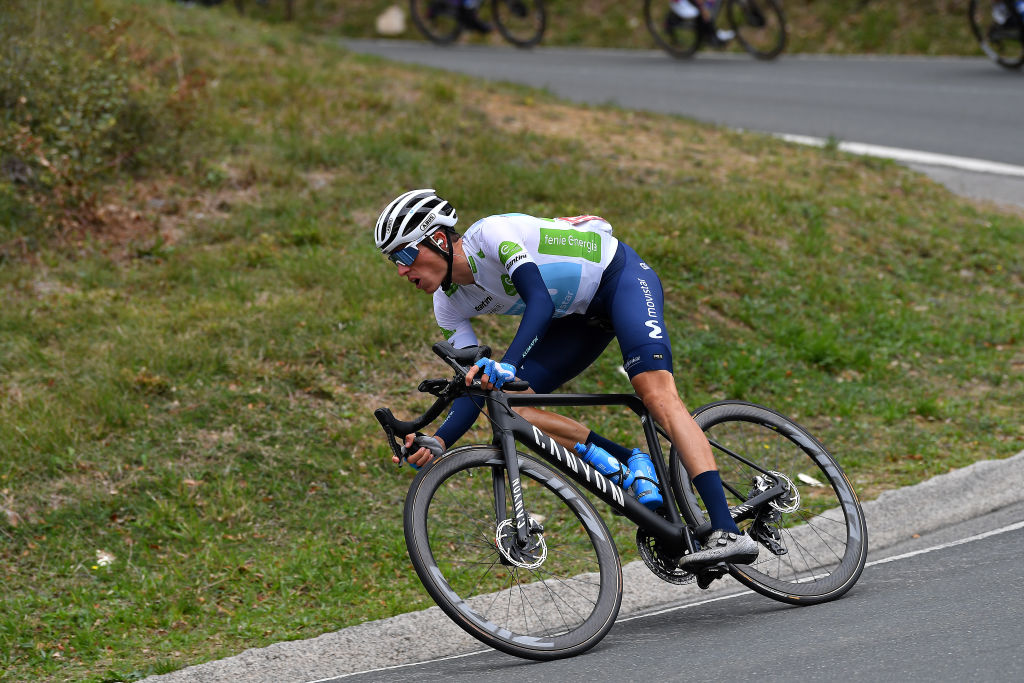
(471, 20)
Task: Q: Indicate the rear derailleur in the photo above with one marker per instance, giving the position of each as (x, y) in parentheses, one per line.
(765, 530)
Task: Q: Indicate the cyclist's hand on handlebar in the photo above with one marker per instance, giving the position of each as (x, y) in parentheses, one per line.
(494, 373)
(420, 449)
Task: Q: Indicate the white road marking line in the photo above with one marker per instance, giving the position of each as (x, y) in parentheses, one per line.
(911, 156)
(951, 544)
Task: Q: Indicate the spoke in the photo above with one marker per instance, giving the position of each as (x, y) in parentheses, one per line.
(486, 590)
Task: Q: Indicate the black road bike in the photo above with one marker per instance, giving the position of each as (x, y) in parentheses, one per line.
(758, 25)
(520, 22)
(513, 552)
(999, 30)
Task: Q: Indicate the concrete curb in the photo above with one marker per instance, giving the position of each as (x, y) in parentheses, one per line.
(944, 500)
(893, 517)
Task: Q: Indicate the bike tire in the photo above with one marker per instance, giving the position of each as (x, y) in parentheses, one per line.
(679, 37)
(825, 537)
(1003, 45)
(521, 22)
(561, 608)
(437, 20)
(760, 26)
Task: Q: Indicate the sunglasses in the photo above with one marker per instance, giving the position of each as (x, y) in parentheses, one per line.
(407, 254)
(404, 256)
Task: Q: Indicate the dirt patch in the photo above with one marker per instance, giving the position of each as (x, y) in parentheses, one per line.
(633, 141)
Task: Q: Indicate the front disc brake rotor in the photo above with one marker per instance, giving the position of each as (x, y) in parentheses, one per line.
(531, 556)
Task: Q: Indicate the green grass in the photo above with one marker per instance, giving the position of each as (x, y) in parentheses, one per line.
(926, 27)
(187, 383)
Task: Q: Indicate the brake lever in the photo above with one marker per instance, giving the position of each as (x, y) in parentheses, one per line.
(384, 416)
(435, 387)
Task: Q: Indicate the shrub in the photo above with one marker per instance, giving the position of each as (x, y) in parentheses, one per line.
(88, 92)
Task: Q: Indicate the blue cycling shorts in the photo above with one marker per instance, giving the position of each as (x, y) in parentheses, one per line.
(628, 306)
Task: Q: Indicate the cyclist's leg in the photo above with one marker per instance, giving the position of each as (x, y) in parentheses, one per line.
(569, 346)
(657, 389)
(635, 302)
(469, 17)
(635, 309)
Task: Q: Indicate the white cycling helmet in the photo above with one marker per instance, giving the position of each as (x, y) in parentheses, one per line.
(410, 217)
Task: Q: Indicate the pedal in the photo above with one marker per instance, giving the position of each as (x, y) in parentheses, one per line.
(706, 577)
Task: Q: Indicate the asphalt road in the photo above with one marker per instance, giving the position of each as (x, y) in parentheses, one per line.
(950, 614)
(962, 107)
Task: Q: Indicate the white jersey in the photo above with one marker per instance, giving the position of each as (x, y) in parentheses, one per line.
(571, 253)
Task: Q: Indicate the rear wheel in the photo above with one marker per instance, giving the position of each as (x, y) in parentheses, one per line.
(813, 539)
(999, 31)
(759, 25)
(521, 22)
(438, 20)
(555, 597)
(677, 36)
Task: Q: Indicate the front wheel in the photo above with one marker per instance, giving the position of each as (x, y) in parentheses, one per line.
(556, 596)
(677, 36)
(813, 539)
(437, 20)
(759, 26)
(521, 22)
(999, 31)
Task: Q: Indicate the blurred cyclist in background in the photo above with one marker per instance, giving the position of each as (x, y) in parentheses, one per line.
(688, 10)
(469, 17)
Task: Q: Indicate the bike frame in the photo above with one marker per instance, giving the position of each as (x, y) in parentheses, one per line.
(509, 427)
(714, 10)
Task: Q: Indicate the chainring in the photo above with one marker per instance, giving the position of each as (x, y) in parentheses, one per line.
(663, 565)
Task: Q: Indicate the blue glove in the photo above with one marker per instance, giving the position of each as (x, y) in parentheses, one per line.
(496, 371)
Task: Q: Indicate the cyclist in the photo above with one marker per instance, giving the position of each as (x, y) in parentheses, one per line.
(1006, 17)
(576, 287)
(469, 18)
(686, 10)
